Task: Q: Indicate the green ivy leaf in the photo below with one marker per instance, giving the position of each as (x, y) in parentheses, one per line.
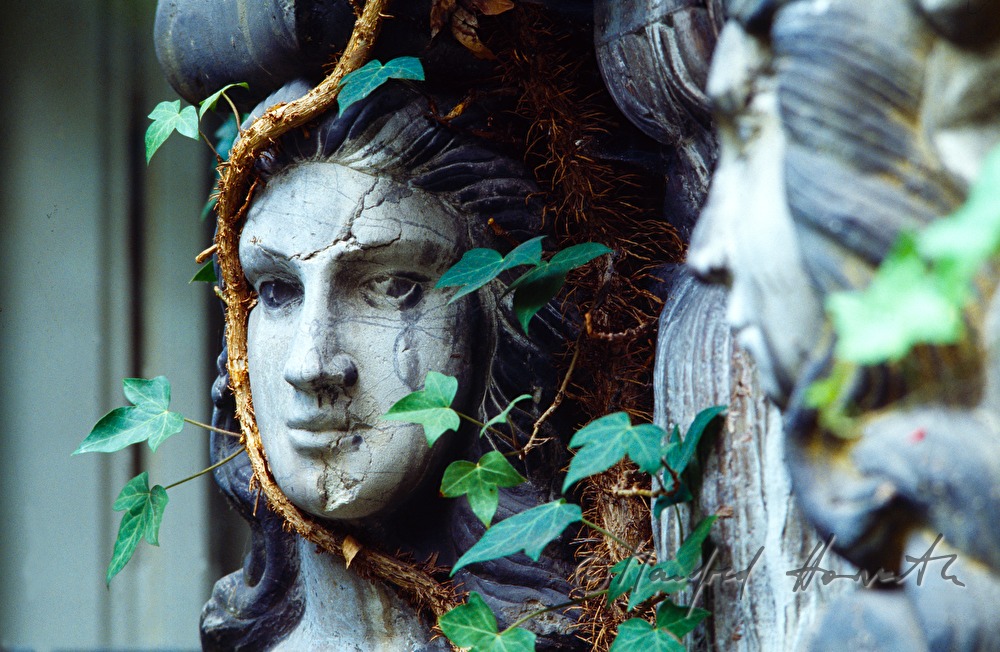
(209, 102)
(605, 441)
(226, 135)
(671, 576)
(665, 577)
(636, 635)
(678, 455)
(689, 554)
(358, 85)
(208, 207)
(531, 296)
(624, 576)
(678, 620)
(479, 481)
(513, 640)
(168, 116)
(430, 407)
(905, 304)
(682, 495)
(480, 266)
(143, 509)
(969, 236)
(148, 420)
(205, 275)
(502, 417)
(530, 531)
(540, 285)
(577, 256)
(472, 625)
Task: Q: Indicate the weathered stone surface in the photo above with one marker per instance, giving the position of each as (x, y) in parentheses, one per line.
(743, 475)
(358, 219)
(871, 137)
(654, 57)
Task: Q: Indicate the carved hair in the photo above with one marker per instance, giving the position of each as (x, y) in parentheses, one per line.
(392, 133)
(862, 164)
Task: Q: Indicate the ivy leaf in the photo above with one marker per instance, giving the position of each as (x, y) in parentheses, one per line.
(605, 441)
(502, 417)
(676, 619)
(430, 407)
(531, 296)
(624, 576)
(636, 635)
(357, 85)
(577, 256)
(148, 420)
(664, 577)
(209, 206)
(479, 482)
(168, 116)
(225, 137)
(472, 625)
(689, 554)
(905, 304)
(209, 102)
(678, 454)
(143, 509)
(540, 285)
(682, 495)
(480, 266)
(678, 457)
(530, 531)
(671, 576)
(970, 235)
(205, 275)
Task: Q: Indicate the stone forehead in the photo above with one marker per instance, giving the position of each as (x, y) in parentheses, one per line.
(310, 204)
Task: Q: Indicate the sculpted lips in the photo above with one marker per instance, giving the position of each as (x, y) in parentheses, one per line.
(328, 414)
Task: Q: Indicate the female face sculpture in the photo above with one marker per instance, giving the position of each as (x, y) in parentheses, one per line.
(346, 324)
(745, 238)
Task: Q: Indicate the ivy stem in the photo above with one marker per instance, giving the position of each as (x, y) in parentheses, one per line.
(204, 471)
(610, 535)
(533, 614)
(210, 145)
(212, 428)
(481, 424)
(235, 112)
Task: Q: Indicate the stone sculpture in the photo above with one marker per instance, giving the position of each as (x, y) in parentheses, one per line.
(357, 221)
(852, 122)
(654, 56)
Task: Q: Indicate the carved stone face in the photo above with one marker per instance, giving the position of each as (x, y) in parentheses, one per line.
(347, 323)
(745, 237)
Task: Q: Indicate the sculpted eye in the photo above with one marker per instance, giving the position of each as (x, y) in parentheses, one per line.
(277, 293)
(403, 291)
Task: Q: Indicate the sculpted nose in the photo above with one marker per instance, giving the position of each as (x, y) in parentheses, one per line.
(708, 254)
(708, 263)
(310, 366)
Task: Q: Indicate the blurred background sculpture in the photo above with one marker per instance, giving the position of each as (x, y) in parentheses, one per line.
(858, 122)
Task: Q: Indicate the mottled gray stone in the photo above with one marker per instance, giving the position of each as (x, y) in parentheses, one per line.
(877, 118)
